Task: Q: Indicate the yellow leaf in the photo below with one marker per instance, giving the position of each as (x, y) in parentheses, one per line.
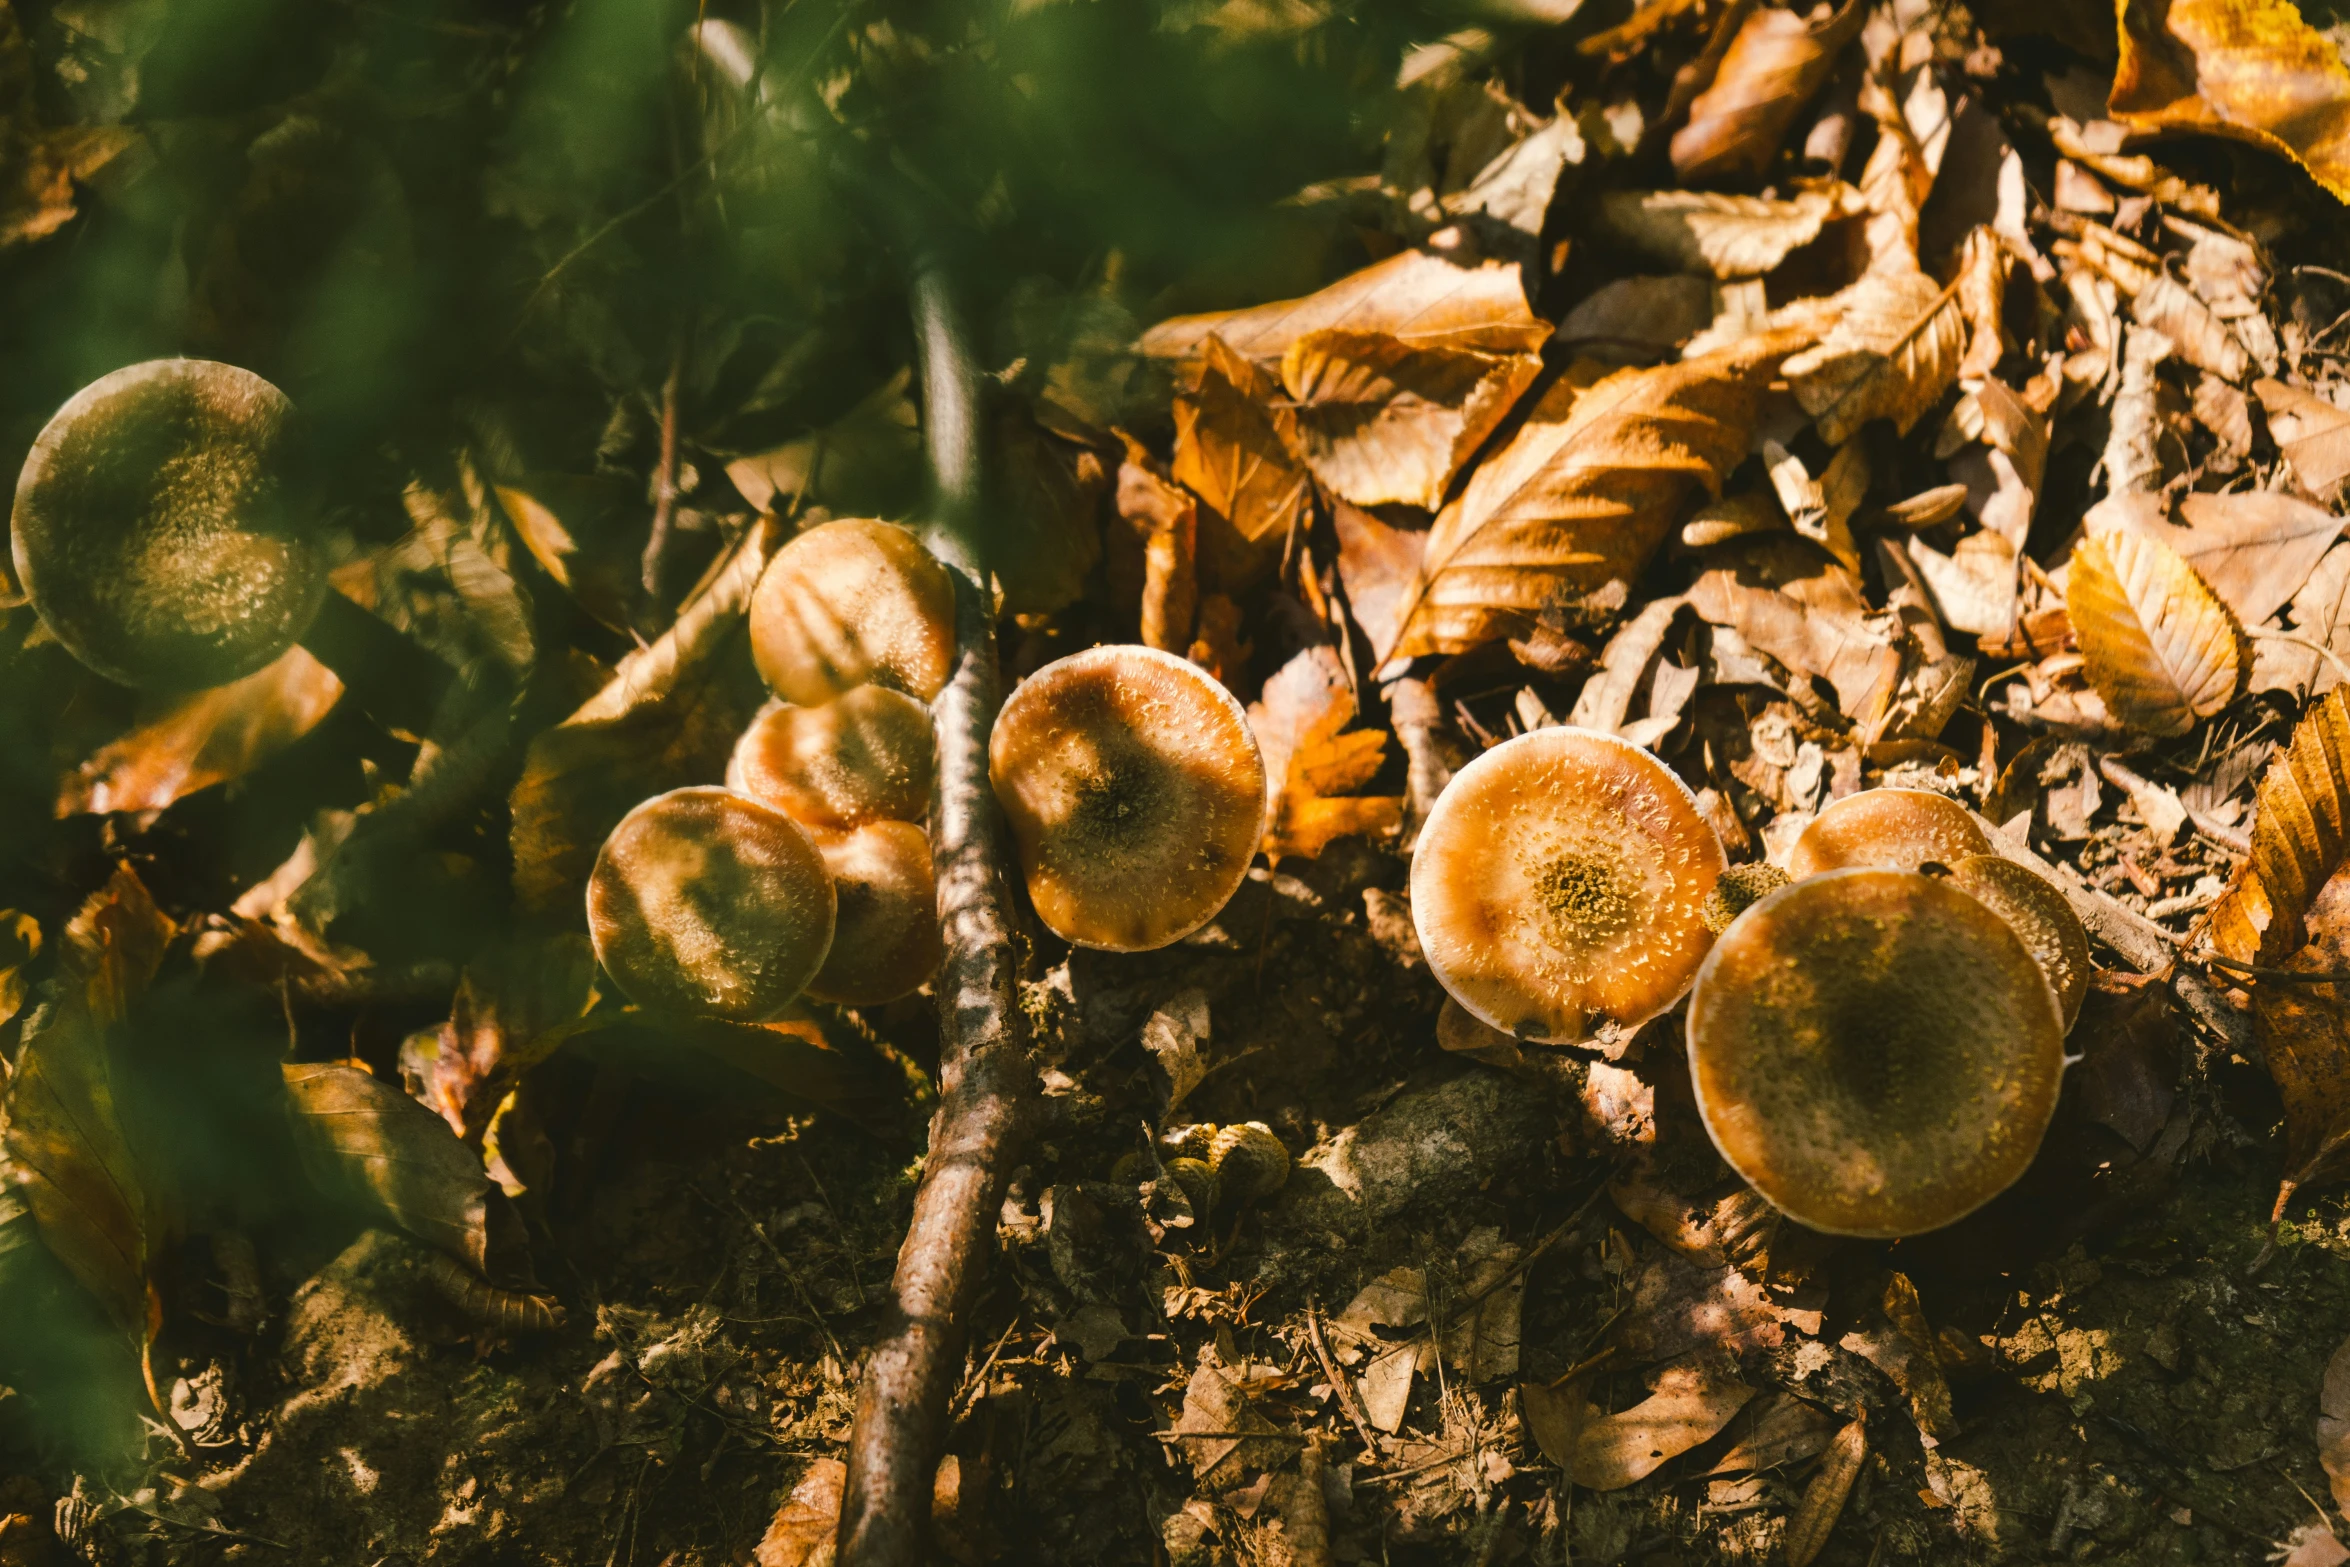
(1892, 353)
(1777, 61)
(1421, 299)
(204, 738)
(1380, 422)
(2298, 841)
(2248, 69)
(2163, 650)
(1565, 516)
(1297, 722)
(1233, 448)
(1823, 1497)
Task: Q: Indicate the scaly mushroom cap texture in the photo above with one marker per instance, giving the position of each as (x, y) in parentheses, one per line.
(1135, 792)
(886, 940)
(1875, 1051)
(2039, 914)
(863, 758)
(162, 531)
(1559, 886)
(704, 902)
(850, 603)
(1898, 829)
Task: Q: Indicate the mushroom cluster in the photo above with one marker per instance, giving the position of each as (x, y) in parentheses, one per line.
(1875, 1030)
(809, 872)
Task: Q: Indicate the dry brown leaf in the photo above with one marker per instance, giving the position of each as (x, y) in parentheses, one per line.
(1894, 350)
(1928, 508)
(2333, 1424)
(864, 464)
(1381, 422)
(2321, 615)
(800, 1534)
(2201, 338)
(2301, 817)
(1419, 299)
(20, 944)
(511, 1011)
(1233, 450)
(2092, 147)
(1158, 530)
(1310, 764)
(1554, 1418)
(1777, 1430)
(1564, 517)
(2248, 69)
(1722, 236)
(1777, 61)
(1639, 318)
(1841, 646)
(204, 738)
(2254, 549)
(366, 1142)
(113, 946)
(2303, 1033)
(2313, 434)
(1606, 698)
(2136, 454)
(38, 166)
(1899, 175)
(1823, 1499)
(1050, 511)
(1216, 644)
(585, 531)
(1377, 565)
(1693, 1400)
(2163, 650)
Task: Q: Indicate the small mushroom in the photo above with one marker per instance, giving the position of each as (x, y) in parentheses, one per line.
(1740, 889)
(162, 529)
(1249, 1162)
(864, 757)
(853, 603)
(1559, 886)
(1898, 829)
(2048, 925)
(1875, 1051)
(885, 943)
(1134, 791)
(1197, 1181)
(703, 902)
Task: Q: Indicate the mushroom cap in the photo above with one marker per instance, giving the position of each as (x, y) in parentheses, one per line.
(1249, 1163)
(1559, 886)
(1135, 792)
(885, 943)
(1899, 829)
(1740, 888)
(853, 603)
(864, 757)
(705, 903)
(2039, 913)
(1875, 1051)
(161, 529)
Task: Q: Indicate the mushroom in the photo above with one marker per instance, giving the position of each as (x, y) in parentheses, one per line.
(1559, 886)
(885, 943)
(1875, 1051)
(1135, 794)
(861, 758)
(1740, 889)
(851, 603)
(704, 902)
(2040, 915)
(1248, 1162)
(1896, 828)
(162, 529)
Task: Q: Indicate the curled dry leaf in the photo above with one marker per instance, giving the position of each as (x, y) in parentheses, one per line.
(1378, 566)
(1823, 1499)
(2255, 549)
(2163, 650)
(1723, 236)
(1564, 517)
(511, 1012)
(1310, 764)
(2299, 824)
(2248, 69)
(1380, 422)
(1158, 532)
(800, 1534)
(368, 1143)
(2333, 1424)
(1893, 352)
(578, 528)
(1233, 445)
(204, 738)
(2303, 1032)
(2313, 434)
(1416, 298)
(1693, 1400)
(1774, 65)
(20, 943)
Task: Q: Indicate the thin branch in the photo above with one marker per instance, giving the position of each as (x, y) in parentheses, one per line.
(2282, 976)
(665, 479)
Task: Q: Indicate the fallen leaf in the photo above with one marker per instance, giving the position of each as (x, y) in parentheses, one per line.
(1554, 1418)
(1174, 1034)
(1516, 189)
(367, 1143)
(1380, 422)
(1416, 298)
(1159, 532)
(1982, 298)
(1823, 1498)
(1928, 508)
(2201, 338)
(2163, 650)
(1213, 1407)
(1606, 698)
(1774, 65)
(1897, 1341)
(2248, 69)
(1050, 512)
(1780, 1429)
(1894, 350)
(1973, 587)
(20, 943)
(2087, 144)
(1638, 316)
(801, 1532)
(1310, 763)
(511, 1012)
(2136, 453)
(1377, 565)
(1678, 1306)
(2254, 549)
(2333, 1424)
(2303, 1034)
(2313, 1545)
(42, 164)
(1481, 1331)
(583, 530)
(866, 463)
(1722, 236)
(1565, 516)
(1842, 647)
(2321, 614)
(1693, 1400)
(205, 737)
(2127, 1041)
(2312, 433)
(1233, 449)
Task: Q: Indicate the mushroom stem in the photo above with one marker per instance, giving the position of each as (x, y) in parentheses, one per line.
(985, 1082)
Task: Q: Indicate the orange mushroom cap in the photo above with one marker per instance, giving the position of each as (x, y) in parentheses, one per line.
(1559, 886)
(1875, 1051)
(850, 603)
(1135, 792)
(704, 902)
(885, 943)
(161, 530)
(2040, 915)
(1898, 829)
(864, 757)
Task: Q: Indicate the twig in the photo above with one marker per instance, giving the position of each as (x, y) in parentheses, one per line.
(664, 480)
(1340, 1383)
(985, 1081)
(652, 671)
(2283, 976)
